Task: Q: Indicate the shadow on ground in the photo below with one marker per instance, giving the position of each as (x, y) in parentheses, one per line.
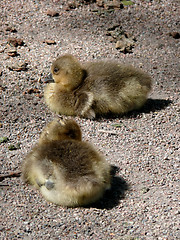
(151, 105)
(117, 192)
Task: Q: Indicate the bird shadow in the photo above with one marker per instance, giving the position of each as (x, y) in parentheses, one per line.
(151, 105)
(116, 193)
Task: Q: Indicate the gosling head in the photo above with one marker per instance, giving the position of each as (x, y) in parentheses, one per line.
(67, 72)
(60, 130)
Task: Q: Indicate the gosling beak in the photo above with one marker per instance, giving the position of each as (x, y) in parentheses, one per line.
(49, 79)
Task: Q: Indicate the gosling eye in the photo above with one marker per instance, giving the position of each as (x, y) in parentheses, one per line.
(56, 70)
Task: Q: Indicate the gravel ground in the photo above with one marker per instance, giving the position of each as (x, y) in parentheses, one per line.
(142, 146)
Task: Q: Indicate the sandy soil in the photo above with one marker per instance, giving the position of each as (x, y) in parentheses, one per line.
(142, 146)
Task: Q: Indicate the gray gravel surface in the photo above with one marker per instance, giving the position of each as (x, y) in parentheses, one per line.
(142, 146)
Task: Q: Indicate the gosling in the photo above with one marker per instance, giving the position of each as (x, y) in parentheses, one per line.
(66, 170)
(95, 88)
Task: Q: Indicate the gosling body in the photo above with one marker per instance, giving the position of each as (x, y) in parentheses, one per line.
(95, 88)
(66, 170)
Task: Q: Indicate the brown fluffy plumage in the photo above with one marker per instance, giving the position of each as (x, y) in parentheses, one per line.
(66, 170)
(95, 87)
